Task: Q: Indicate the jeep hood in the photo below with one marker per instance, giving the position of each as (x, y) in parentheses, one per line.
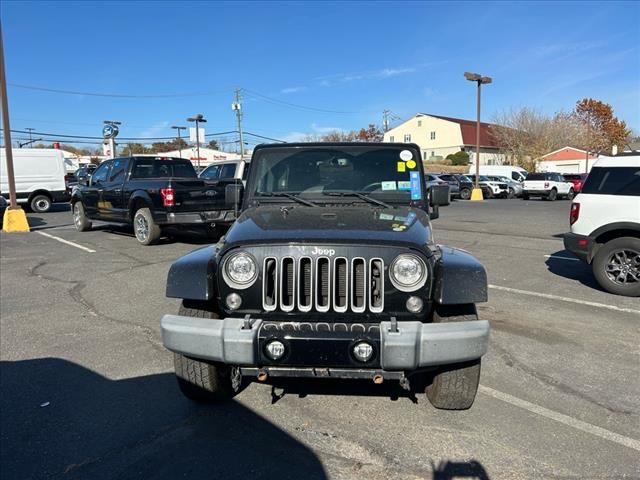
(331, 225)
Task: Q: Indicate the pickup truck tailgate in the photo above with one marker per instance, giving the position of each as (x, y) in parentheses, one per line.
(197, 195)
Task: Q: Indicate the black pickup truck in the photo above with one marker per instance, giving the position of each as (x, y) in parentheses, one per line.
(150, 193)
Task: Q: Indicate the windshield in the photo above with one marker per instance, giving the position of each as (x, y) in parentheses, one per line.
(312, 172)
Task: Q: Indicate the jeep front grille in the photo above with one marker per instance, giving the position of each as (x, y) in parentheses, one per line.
(323, 284)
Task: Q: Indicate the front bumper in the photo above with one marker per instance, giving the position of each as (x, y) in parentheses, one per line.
(192, 218)
(580, 245)
(402, 345)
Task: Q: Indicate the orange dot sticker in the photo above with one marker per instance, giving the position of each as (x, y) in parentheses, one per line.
(411, 164)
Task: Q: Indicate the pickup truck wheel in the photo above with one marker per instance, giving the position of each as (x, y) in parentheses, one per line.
(144, 226)
(553, 194)
(40, 204)
(454, 387)
(204, 382)
(80, 220)
(465, 194)
(616, 266)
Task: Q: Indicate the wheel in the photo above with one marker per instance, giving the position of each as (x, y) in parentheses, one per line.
(511, 193)
(489, 193)
(553, 194)
(204, 382)
(571, 194)
(146, 230)
(525, 196)
(40, 203)
(465, 194)
(454, 387)
(616, 266)
(80, 220)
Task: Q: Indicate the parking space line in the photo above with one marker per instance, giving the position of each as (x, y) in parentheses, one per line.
(62, 240)
(563, 258)
(562, 418)
(565, 299)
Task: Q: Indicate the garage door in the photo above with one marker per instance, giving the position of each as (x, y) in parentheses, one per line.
(568, 168)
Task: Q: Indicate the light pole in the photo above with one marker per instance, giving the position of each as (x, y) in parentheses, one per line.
(199, 118)
(179, 139)
(480, 80)
(237, 107)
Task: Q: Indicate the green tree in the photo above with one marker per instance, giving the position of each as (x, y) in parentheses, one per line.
(133, 149)
(458, 158)
(213, 144)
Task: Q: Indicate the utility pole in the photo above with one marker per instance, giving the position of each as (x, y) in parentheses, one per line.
(385, 120)
(199, 118)
(179, 139)
(588, 142)
(30, 138)
(237, 106)
(14, 219)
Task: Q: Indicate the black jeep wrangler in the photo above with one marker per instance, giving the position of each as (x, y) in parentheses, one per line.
(330, 271)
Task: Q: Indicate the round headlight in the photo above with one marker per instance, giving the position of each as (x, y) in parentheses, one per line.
(240, 270)
(408, 273)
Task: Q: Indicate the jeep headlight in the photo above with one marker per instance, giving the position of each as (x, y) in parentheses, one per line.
(240, 270)
(408, 273)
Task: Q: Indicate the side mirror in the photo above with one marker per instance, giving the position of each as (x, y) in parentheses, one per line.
(439, 196)
(233, 195)
(88, 181)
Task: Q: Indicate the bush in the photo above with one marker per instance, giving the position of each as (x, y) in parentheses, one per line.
(458, 158)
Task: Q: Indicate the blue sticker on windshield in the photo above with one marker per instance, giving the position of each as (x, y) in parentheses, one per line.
(416, 193)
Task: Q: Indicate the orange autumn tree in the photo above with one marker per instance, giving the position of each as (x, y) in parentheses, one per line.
(603, 129)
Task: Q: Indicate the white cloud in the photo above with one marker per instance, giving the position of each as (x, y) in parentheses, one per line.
(292, 90)
(328, 80)
(314, 129)
(155, 129)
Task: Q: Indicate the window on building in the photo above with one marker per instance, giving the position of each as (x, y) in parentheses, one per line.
(433, 154)
(391, 139)
(424, 154)
(407, 138)
(419, 123)
(433, 135)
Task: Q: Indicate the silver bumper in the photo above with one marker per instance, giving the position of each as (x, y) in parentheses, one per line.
(412, 345)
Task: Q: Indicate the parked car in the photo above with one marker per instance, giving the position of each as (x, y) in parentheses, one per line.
(151, 193)
(453, 182)
(39, 176)
(491, 188)
(3, 206)
(432, 180)
(331, 271)
(605, 224)
(83, 173)
(515, 187)
(517, 174)
(548, 186)
(226, 170)
(467, 185)
(577, 179)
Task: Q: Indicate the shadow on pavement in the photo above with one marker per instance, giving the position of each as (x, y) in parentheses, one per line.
(449, 470)
(59, 419)
(571, 269)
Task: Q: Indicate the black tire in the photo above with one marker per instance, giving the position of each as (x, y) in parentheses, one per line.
(80, 220)
(146, 230)
(40, 203)
(605, 266)
(525, 196)
(511, 193)
(553, 194)
(488, 193)
(465, 194)
(454, 387)
(204, 382)
(571, 194)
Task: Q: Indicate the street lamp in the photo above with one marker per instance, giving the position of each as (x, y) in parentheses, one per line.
(179, 140)
(480, 80)
(199, 118)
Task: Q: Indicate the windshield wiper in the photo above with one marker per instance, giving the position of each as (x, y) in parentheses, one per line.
(292, 196)
(361, 196)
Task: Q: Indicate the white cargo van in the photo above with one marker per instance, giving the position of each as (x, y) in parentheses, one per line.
(40, 177)
(516, 173)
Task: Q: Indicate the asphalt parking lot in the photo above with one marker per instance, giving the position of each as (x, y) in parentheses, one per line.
(87, 390)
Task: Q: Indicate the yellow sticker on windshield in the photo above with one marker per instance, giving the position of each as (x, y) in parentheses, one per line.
(401, 167)
(411, 164)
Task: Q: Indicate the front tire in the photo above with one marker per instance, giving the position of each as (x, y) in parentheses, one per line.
(80, 220)
(145, 228)
(40, 203)
(525, 196)
(454, 387)
(616, 266)
(465, 194)
(204, 382)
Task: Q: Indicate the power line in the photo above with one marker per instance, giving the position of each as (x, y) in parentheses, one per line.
(114, 95)
(58, 135)
(276, 101)
(265, 138)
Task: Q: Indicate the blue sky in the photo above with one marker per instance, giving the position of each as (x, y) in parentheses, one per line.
(358, 58)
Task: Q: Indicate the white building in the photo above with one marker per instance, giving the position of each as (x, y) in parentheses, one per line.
(567, 160)
(207, 155)
(439, 136)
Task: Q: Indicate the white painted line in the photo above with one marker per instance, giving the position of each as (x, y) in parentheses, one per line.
(62, 240)
(562, 418)
(565, 299)
(563, 258)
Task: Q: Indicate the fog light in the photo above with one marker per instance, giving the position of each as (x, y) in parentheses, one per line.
(414, 304)
(363, 351)
(275, 349)
(234, 301)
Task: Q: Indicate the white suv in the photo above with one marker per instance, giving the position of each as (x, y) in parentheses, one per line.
(547, 185)
(605, 224)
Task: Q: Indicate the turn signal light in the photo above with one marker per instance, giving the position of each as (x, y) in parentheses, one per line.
(168, 197)
(574, 214)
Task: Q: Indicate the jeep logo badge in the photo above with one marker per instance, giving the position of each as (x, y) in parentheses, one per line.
(323, 251)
